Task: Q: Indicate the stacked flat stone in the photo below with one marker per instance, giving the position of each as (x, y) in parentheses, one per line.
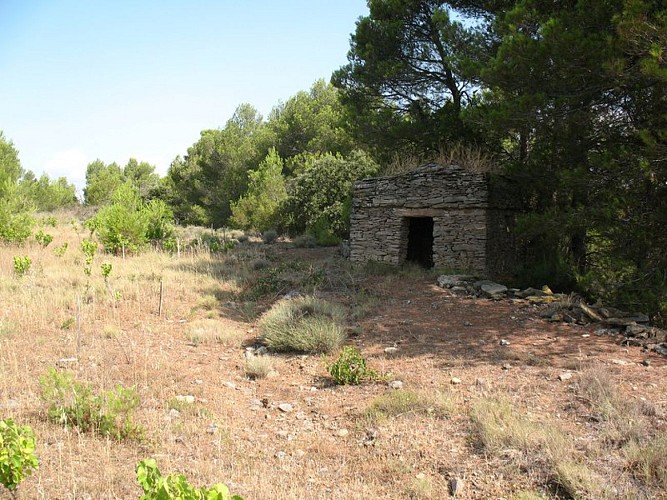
(456, 199)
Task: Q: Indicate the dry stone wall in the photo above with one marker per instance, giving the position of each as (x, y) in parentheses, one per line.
(456, 200)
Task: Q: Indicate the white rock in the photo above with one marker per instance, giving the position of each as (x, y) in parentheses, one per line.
(565, 376)
(455, 380)
(396, 384)
(185, 399)
(285, 407)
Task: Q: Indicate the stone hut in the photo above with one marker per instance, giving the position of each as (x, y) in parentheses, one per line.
(436, 215)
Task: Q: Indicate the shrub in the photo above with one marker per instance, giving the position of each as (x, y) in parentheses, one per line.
(73, 403)
(305, 324)
(60, 251)
(258, 366)
(175, 486)
(269, 236)
(350, 367)
(43, 238)
(123, 225)
(17, 454)
(305, 241)
(22, 264)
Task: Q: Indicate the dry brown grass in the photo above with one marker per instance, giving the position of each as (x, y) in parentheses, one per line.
(470, 158)
(234, 431)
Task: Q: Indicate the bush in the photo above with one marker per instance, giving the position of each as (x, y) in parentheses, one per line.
(406, 402)
(258, 366)
(17, 454)
(175, 486)
(43, 238)
(269, 236)
(22, 264)
(305, 324)
(123, 225)
(350, 367)
(73, 403)
(305, 241)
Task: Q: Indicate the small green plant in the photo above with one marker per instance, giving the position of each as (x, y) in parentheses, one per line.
(175, 486)
(50, 221)
(17, 454)
(73, 403)
(350, 367)
(43, 238)
(59, 251)
(89, 248)
(402, 402)
(106, 270)
(305, 241)
(22, 264)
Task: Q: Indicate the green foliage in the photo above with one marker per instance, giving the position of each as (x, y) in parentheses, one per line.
(47, 195)
(310, 123)
(305, 241)
(43, 238)
(259, 207)
(22, 264)
(16, 219)
(175, 486)
(350, 367)
(59, 251)
(318, 197)
(101, 182)
(122, 226)
(304, 324)
(159, 220)
(269, 236)
(17, 454)
(212, 242)
(106, 270)
(73, 403)
(411, 74)
(89, 249)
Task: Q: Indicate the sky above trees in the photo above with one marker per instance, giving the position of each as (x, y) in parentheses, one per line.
(118, 79)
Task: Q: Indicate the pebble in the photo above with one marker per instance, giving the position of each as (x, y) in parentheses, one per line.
(280, 455)
(504, 342)
(285, 407)
(173, 414)
(390, 350)
(230, 385)
(565, 376)
(507, 366)
(212, 429)
(455, 380)
(342, 433)
(396, 384)
(185, 399)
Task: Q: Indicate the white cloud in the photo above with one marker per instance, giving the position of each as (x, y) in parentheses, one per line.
(70, 163)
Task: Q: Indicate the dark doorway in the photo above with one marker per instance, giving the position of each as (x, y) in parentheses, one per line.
(420, 241)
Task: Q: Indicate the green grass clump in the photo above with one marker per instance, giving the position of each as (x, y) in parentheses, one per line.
(73, 403)
(350, 367)
(305, 324)
(403, 402)
(648, 462)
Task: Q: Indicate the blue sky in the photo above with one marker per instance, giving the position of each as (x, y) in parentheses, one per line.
(87, 79)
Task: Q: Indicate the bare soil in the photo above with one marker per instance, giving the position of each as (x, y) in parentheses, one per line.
(325, 448)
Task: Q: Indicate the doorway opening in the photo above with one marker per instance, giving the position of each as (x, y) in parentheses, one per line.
(420, 241)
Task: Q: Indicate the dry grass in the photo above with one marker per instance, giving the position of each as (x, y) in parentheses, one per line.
(257, 367)
(212, 331)
(470, 158)
(406, 402)
(235, 432)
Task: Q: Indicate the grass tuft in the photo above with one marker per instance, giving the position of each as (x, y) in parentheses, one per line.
(305, 324)
(211, 331)
(648, 462)
(257, 367)
(403, 402)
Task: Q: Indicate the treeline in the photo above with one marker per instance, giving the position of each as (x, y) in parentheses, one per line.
(568, 100)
